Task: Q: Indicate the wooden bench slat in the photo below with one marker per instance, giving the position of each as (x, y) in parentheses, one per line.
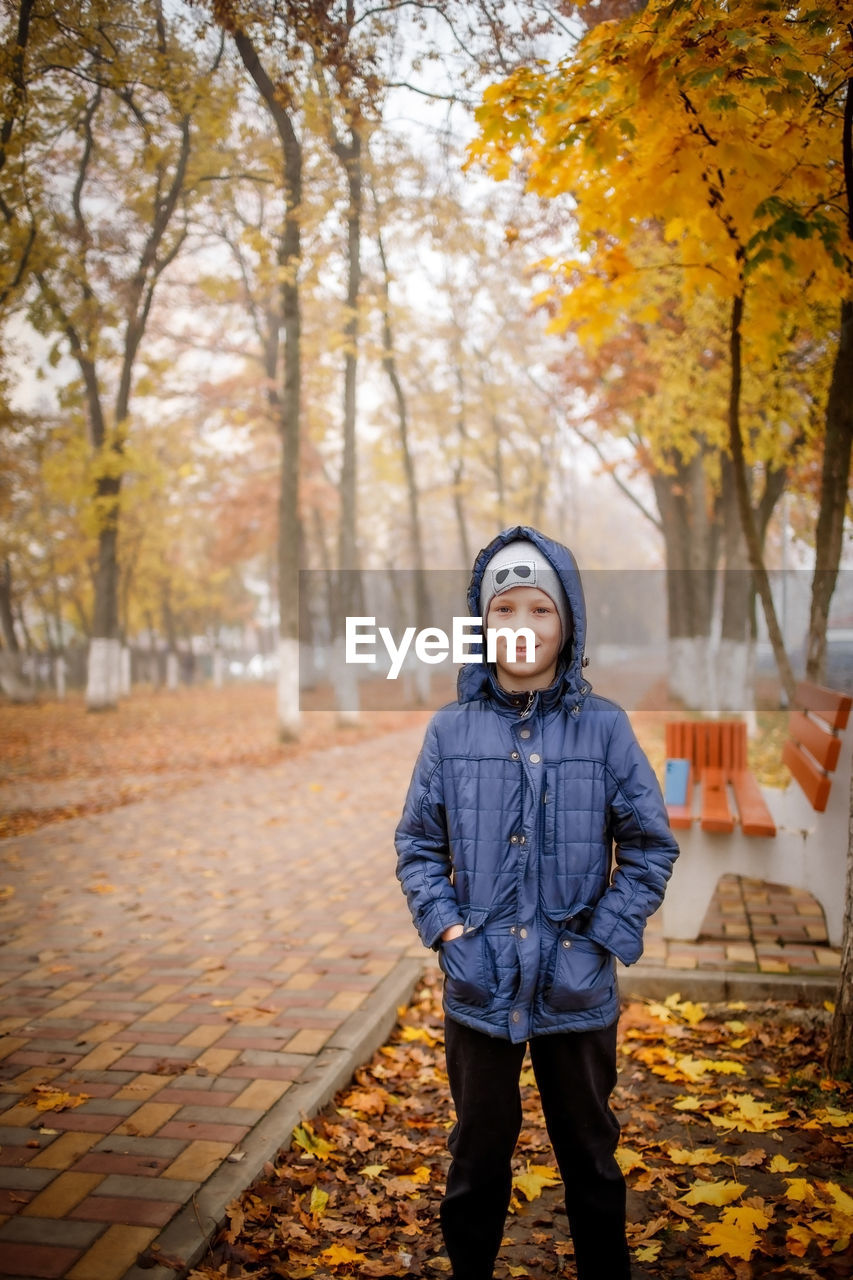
(825, 747)
(680, 816)
(755, 818)
(831, 706)
(716, 814)
(814, 782)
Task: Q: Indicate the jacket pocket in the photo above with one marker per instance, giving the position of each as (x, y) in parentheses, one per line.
(582, 975)
(465, 963)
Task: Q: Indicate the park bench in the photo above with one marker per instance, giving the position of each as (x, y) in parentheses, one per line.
(796, 836)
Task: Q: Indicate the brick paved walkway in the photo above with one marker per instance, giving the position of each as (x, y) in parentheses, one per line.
(207, 968)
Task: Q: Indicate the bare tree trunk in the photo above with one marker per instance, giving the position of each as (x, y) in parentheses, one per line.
(350, 156)
(389, 364)
(735, 666)
(840, 1055)
(459, 468)
(835, 478)
(289, 525)
(7, 619)
(11, 681)
(747, 519)
(690, 534)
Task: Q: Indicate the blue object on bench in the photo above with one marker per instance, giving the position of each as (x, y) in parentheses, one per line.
(676, 775)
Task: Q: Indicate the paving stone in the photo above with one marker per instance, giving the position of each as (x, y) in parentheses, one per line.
(60, 1197)
(52, 1231)
(198, 1161)
(119, 1184)
(130, 1144)
(28, 1179)
(64, 1151)
(37, 1261)
(113, 1253)
(147, 1119)
(124, 1209)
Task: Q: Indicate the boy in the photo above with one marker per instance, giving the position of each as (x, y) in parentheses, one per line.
(520, 792)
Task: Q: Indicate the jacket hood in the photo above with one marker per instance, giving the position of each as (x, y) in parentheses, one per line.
(476, 680)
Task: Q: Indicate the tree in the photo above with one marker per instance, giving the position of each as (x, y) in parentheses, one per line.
(276, 78)
(839, 437)
(105, 100)
(721, 128)
(840, 1052)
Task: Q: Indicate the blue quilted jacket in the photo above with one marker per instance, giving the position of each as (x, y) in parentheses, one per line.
(542, 829)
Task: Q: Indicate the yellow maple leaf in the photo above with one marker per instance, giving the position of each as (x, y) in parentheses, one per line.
(305, 1137)
(718, 1193)
(698, 1068)
(749, 1115)
(374, 1170)
(338, 1255)
(800, 1190)
(649, 1252)
(530, 1184)
(798, 1240)
(410, 1034)
(421, 1174)
(319, 1201)
(736, 1234)
(831, 1116)
(841, 1212)
(627, 1159)
(701, 1155)
(781, 1164)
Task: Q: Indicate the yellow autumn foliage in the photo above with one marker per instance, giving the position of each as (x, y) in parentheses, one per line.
(698, 156)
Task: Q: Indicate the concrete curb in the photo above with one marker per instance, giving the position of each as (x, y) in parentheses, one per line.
(653, 982)
(187, 1235)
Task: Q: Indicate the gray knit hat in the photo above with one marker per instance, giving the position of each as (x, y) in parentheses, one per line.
(522, 564)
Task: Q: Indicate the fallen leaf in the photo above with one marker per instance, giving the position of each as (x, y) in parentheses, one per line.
(749, 1115)
(339, 1255)
(305, 1137)
(781, 1164)
(628, 1159)
(736, 1234)
(716, 1193)
(700, 1155)
(319, 1201)
(536, 1177)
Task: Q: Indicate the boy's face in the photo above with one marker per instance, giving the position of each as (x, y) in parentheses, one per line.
(526, 607)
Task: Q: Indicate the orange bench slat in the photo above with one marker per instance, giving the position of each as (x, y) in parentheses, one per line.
(755, 818)
(814, 782)
(825, 747)
(716, 814)
(831, 706)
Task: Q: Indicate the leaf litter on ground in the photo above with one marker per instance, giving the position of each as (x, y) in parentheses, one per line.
(753, 1179)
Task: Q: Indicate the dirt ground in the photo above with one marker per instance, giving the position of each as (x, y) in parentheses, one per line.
(735, 1145)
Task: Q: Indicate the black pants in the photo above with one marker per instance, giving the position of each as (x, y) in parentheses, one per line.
(575, 1073)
